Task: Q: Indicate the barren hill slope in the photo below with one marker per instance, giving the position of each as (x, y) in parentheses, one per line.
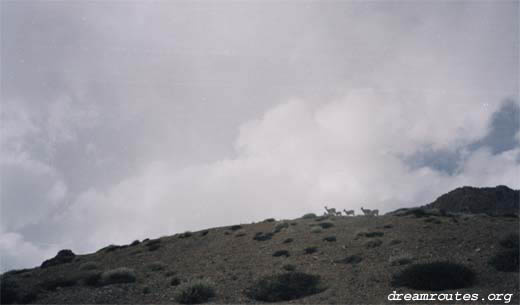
(348, 260)
(500, 200)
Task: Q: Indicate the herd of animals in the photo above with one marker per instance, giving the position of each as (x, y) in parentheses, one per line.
(366, 212)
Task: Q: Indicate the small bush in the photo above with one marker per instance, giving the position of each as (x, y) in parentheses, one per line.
(146, 290)
(269, 220)
(135, 243)
(394, 242)
(506, 260)
(156, 266)
(194, 292)
(91, 278)
(370, 234)
(352, 259)
(64, 281)
(281, 253)
(289, 267)
(288, 240)
(309, 216)
(285, 287)
(240, 233)
(373, 243)
(310, 250)
(279, 227)
(204, 232)
(326, 224)
(260, 236)
(510, 241)
(330, 238)
(89, 266)
(153, 244)
(399, 260)
(118, 275)
(185, 234)
(321, 218)
(235, 227)
(169, 273)
(389, 226)
(175, 281)
(111, 248)
(316, 230)
(435, 276)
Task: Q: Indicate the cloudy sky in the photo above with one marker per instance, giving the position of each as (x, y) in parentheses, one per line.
(125, 120)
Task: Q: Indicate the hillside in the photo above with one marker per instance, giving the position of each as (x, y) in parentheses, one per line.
(500, 200)
(340, 259)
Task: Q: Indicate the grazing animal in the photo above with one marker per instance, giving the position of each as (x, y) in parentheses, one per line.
(338, 213)
(367, 212)
(331, 211)
(349, 212)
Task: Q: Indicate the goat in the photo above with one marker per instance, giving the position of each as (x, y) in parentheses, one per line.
(369, 212)
(331, 211)
(349, 212)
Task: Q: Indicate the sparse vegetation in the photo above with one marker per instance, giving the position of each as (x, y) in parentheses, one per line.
(329, 238)
(351, 259)
(146, 290)
(153, 244)
(285, 287)
(235, 227)
(175, 281)
(269, 220)
(394, 242)
(316, 230)
(326, 224)
(62, 281)
(156, 266)
(310, 250)
(8, 290)
(510, 241)
(435, 276)
(204, 232)
(194, 292)
(373, 243)
(260, 236)
(506, 261)
(91, 278)
(279, 227)
(185, 234)
(369, 234)
(89, 266)
(135, 243)
(289, 267)
(309, 216)
(281, 253)
(118, 275)
(111, 248)
(288, 240)
(399, 260)
(240, 233)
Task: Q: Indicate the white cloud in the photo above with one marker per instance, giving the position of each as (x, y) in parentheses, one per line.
(18, 253)
(295, 159)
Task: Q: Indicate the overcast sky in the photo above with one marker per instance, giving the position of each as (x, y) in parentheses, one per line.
(125, 120)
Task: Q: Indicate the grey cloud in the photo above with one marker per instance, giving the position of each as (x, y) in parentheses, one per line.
(98, 92)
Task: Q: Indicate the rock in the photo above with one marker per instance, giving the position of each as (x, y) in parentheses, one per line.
(63, 256)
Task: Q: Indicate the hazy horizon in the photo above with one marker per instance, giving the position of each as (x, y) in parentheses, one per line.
(131, 120)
